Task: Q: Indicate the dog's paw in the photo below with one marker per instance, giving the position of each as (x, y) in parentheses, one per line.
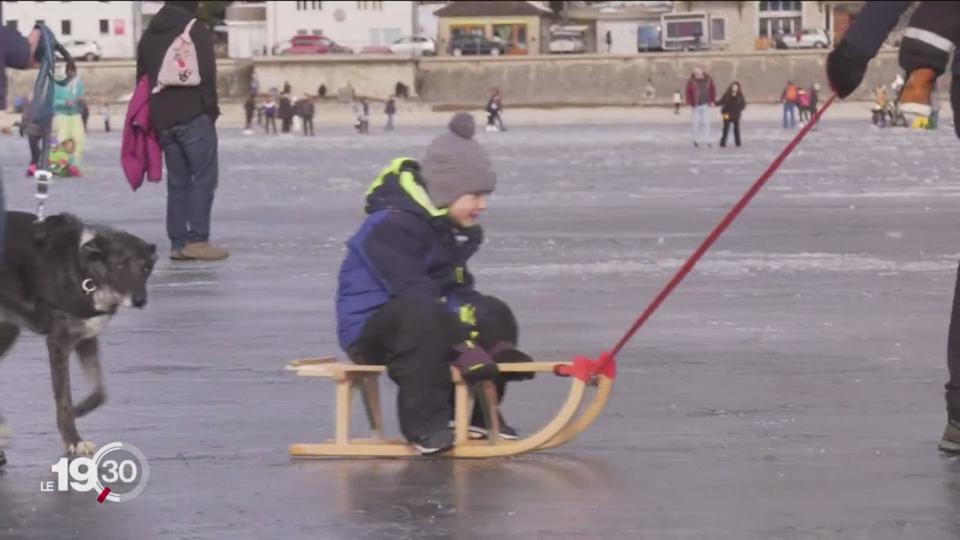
(82, 448)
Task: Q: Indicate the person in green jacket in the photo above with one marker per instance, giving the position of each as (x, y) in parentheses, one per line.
(67, 120)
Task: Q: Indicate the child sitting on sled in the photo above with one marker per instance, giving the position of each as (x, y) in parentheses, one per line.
(405, 298)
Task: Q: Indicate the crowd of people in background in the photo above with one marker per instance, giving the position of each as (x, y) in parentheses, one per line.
(799, 105)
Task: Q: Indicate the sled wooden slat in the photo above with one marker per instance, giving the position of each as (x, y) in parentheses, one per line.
(565, 426)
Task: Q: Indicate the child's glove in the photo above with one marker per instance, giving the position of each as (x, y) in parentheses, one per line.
(504, 352)
(474, 363)
(846, 67)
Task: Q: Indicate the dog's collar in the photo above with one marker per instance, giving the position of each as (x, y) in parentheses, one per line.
(88, 286)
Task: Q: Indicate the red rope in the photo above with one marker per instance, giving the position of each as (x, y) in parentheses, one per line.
(714, 235)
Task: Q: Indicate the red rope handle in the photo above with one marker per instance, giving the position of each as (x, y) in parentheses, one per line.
(714, 235)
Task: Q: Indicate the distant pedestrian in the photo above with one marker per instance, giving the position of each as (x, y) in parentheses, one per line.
(495, 111)
(106, 117)
(322, 91)
(732, 104)
(609, 41)
(701, 94)
(249, 108)
(677, 101)
(269, 115)
(285, 112)
(307, 112)
(390, 110)
(789, 99)
(803, 104)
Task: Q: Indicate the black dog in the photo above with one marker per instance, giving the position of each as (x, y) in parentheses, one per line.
(66, 279)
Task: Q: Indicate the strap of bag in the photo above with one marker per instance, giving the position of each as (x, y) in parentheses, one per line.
(185, 35)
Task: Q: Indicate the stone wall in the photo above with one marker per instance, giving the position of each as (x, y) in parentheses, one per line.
(589, 80)
(114, 80)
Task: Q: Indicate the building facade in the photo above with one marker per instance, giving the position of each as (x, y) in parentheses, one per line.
(522, 26)
(115, 26)
(352, 24)
(735, 26)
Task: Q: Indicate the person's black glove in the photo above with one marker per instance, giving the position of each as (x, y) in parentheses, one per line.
(504, 352)
(474, 363)
(846, 67)
(955, 102)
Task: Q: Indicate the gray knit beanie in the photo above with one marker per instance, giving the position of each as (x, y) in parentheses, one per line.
(455, 164)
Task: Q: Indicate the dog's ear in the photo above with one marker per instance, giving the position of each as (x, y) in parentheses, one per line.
(88, 242)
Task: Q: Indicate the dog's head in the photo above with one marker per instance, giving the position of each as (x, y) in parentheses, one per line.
(117, 265)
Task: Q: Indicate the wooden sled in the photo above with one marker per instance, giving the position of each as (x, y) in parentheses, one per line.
(570, 421)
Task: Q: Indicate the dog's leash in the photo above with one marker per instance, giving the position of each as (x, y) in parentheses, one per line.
(48, 49)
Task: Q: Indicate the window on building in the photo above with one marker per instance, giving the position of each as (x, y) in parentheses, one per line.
(314, 5)
(780, 18)
(66, 28)
(12, 24)
(39, 21)
(780, 6)
(104, 26)
(370, 5)
(718, 29)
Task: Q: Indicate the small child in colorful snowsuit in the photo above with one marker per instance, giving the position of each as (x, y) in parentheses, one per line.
(63, 161)
(405, 298)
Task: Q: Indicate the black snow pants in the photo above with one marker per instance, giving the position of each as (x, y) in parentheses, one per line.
(415, 340)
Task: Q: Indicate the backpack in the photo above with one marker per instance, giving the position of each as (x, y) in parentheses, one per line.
(180, 66)
(791, 94)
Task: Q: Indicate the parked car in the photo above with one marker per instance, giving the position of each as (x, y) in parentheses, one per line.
(315, 45)
(414, 46)
(83, 50)
(462, 45)
(808, 39)
(567, 44)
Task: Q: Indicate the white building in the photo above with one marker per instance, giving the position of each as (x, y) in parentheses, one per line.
(246, 29)
(115, 26)
(352, 24)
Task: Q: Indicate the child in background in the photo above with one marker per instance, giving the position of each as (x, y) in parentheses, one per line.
(63, 162)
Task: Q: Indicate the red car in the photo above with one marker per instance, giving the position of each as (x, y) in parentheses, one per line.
(315, 45)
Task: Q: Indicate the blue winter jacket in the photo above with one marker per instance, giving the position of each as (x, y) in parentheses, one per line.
(406, 247)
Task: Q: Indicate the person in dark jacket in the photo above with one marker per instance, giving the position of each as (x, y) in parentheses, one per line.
(307, 111)
(933, 31)
(405, 298)
(249, 108)
(285, 112)
(390, 109)
(495, 111)
(732, 104)
(184, 118)
(19, 53)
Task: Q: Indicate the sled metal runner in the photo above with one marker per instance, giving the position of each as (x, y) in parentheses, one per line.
(587, 395)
